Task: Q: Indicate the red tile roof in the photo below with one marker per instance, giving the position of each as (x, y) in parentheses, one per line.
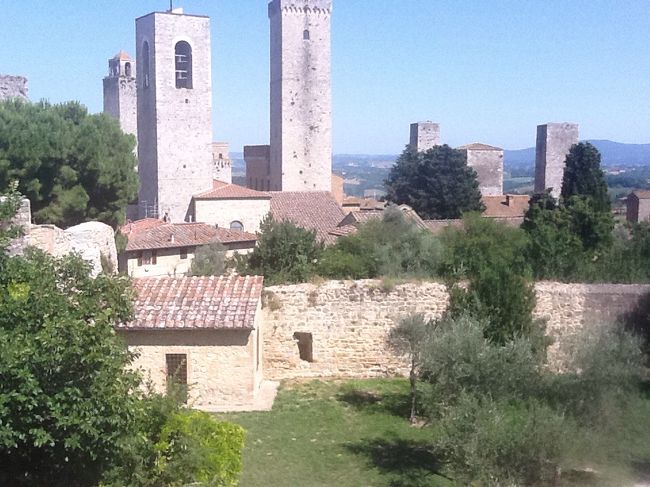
(437, 226)
(139, 225)
(505, 206)
(176, 235)
(192, 303)
(642, 194)
(225, 191)
(122, 56)
(316, 210)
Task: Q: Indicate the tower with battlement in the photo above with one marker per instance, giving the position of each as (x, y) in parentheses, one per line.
(301, 95)
(174, 93)
(120, 92)
(554, 140)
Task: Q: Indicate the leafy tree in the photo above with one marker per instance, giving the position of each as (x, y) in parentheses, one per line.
(67, 398)
(437, 184)
(284, 253)
(72, 166)
(209, 260)
(408, 338)
(583, 176)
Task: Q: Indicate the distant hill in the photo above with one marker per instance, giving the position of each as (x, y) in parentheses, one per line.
(613, 154)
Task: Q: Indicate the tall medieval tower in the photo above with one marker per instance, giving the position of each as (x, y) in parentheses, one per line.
(301, 95)
(174, 112)
(120, 99)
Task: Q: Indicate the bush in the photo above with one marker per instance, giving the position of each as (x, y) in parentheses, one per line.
(209, 260)
(195, 447)
(285, 253)
(499, 442)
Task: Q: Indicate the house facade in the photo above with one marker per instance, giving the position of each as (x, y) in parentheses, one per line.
(203, 333)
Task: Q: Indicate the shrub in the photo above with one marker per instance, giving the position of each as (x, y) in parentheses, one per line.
(195, 447)
(499, 442)
(209, 260)
(285, 253)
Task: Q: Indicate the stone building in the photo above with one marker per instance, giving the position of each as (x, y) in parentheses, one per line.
(258, 167)
(300, 152)
(424, 136)
(638, 206)
(174, 93)
(156, 248)
(222, 165)
(231, 206)
(554, 140)
(487, 161)
(13, 87)
(120, 92)
(202, 332)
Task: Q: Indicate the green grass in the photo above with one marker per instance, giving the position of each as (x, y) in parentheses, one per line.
(352, 433)
(356, 433)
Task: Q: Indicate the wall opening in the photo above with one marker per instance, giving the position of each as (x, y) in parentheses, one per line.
(236, 225)
(127, 70)
(145, 64)
(183, 57)
(177, 375)
(305, 345)
(306, 35)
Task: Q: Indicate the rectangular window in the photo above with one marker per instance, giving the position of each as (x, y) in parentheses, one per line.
(184, 253)
(177, 374)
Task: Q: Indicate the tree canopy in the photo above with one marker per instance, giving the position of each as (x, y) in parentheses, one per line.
(437, 184)
(583, 176)
(73, 166)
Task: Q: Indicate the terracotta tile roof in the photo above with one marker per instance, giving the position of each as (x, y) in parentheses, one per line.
(505, 206)
(359, 217)
(437, 226)
(642, 194)
(122, 56)
(343, 231)
(478, 146)
(139, 225)
(175, 235)
(225, 191)
(192, 303)
(315, 210)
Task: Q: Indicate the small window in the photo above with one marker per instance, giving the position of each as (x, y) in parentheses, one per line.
(184, 253)
(147, 257)
(183, 59)
(127, 70)
(145, 64)
(305, 346)
(305, 35)
(177, 374)
(236, 225)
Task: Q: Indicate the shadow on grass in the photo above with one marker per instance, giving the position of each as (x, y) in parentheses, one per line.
(642, 470)
(408, 463)
(397, 404)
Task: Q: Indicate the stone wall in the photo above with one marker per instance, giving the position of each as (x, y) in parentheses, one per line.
(424, 136)
(349, 321)
(488, 164)
(13, 87)
(250, 212)
(554, 140)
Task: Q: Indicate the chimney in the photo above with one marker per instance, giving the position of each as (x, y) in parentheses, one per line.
(171, 238)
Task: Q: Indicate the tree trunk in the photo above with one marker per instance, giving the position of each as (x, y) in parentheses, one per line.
(413, 379)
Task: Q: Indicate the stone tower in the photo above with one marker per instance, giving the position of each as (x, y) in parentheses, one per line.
(120, 97)
(174, 112)
(424, 136)
(301, 95)
(554, 140)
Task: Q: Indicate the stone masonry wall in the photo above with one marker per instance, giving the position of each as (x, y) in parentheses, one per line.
(349, 321)
(554, 140)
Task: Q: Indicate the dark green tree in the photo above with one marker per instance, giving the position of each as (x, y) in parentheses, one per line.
(437, 184)
(73, 166)
(284, 253)
(583, 176)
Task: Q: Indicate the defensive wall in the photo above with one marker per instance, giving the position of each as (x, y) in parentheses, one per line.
(340, 327)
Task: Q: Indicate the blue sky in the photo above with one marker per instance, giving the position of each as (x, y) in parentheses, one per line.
(487, 70)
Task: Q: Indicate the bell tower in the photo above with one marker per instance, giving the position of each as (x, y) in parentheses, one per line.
(120, 92)
(174, 112)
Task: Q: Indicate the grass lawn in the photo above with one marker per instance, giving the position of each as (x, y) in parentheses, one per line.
(352, 433)
(355, 433)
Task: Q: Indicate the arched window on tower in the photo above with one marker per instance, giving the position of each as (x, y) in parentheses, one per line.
(145, 64)
(305, 35)
(183, 56)
(127, 70)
